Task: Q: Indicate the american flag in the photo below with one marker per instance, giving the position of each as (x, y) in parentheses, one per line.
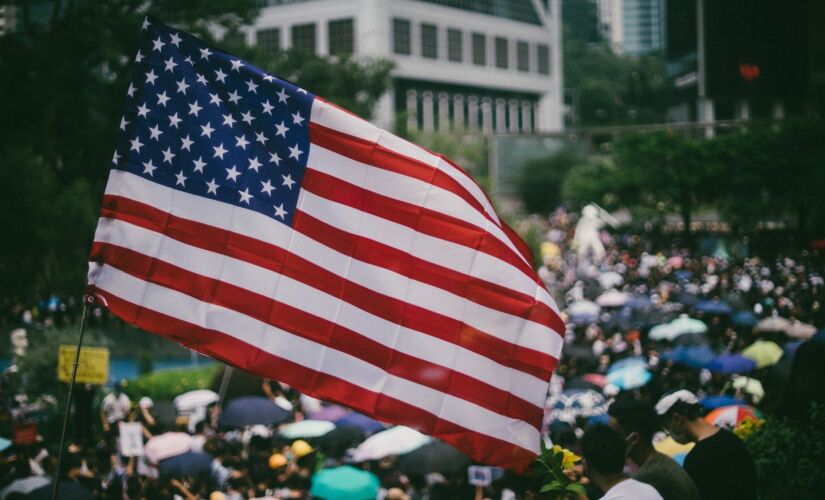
(252, 221)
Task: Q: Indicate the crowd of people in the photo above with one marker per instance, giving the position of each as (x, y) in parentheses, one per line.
(667, 352)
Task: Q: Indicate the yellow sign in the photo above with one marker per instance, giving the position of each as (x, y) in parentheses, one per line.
(93, 367)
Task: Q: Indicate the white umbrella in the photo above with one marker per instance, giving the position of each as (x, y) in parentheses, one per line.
(307, 429)
(612, 298)
(393, 441)
(25, 485)
(196, 399)
(610, 279)
(773, 324)
(584, 308)
(799, 330)
(167, 445)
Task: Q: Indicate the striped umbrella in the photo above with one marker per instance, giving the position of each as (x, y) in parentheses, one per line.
(730, 416)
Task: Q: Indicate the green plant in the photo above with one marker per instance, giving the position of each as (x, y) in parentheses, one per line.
(551, 468)
(789, 455)
(164, 385)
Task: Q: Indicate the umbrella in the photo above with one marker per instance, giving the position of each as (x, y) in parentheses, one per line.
(744, 318)
(578, 351)
(572, 404)
(167, 445)
(188, 464)
(192, 400)
(820, 336)
(730, 416)
(626, 363)
(68, 490)
(686, 298)
(750, 386)
(339, 440)
(697, 356)
(764, 353)
(638, 302)
(690, 339)
(773, 324)
(671, 448)
(581, 383)
(596, 379)
(713, 402)
(251, 410)
(25, 485)
(436, 456)
(165, 413)
(662, 332)
(363, 422)
(344, 483)
(610, 279)
(684, 324)
(612, 298)
(799, 330)
(330, 412)
(307, 429)
(712, 307)
(393, 441)
(731, 363)
(583, 311)
(631, 377)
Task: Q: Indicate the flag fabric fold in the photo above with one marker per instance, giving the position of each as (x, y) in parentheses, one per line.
(251, 220)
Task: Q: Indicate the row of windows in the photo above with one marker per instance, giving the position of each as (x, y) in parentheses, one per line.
(340, 37)
(402, 44)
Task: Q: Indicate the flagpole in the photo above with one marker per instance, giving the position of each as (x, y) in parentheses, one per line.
(86, 301)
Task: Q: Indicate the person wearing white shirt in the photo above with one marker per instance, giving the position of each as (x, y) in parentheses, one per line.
(604, 457)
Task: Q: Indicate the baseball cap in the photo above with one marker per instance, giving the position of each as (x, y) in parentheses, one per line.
(668, 400)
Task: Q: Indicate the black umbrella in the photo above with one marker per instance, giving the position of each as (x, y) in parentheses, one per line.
(436, 456)
(687, 298)
(688, 339)
(578, 352)
(69, 490)
(339, 440)
(251, 410)
(165, 413)
(581, 383)
(187, 464)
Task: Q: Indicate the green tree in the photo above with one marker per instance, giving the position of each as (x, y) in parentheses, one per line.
(590, 181)
(540, 183)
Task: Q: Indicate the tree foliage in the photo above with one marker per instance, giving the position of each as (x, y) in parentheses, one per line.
(540, 184)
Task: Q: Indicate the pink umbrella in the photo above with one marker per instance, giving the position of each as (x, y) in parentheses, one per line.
(330, 413)
(167, 445)
(596, 379)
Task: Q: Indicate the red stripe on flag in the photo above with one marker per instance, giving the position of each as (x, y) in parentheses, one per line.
(481, 292)
(319, 330)
(223, 347)
(274, 258)
(423, 220)
(378, 156)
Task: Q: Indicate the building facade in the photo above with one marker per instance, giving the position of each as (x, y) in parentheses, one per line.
(489, 65)
(6, 19)
(632, 27)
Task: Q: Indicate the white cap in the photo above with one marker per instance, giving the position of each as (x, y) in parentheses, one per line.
(666, 403)
(146, 402)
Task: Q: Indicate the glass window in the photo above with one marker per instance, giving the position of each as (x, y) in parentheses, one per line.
(303, 37)
(523, 56)
(455, 45)
(341, 37)
(479, 49)
(401, 36)
(543, 59)
(429, 41)
(501, 52)
(269, 40)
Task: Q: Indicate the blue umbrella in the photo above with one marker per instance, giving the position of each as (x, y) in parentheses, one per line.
(744, 318)
(630, 377)
(251, 410)
(713, 402)
(683, 275)
(731, 363)
(345, 482)
(712, 307)
(188, 464)
(820, 336)
(696, 356)
(626, 363)
(638, 302)
(363, 422)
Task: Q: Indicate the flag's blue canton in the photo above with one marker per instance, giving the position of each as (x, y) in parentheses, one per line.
(205, 122)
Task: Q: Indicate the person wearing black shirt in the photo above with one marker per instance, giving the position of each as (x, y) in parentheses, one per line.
(719, 464)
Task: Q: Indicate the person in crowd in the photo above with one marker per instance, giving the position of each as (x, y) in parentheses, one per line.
(637, 421)
(114, 408)
(719, 463)
(604, 456)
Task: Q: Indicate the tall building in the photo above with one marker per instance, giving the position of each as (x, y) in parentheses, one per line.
(632, 27)
(742, 58)
(491, 65)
